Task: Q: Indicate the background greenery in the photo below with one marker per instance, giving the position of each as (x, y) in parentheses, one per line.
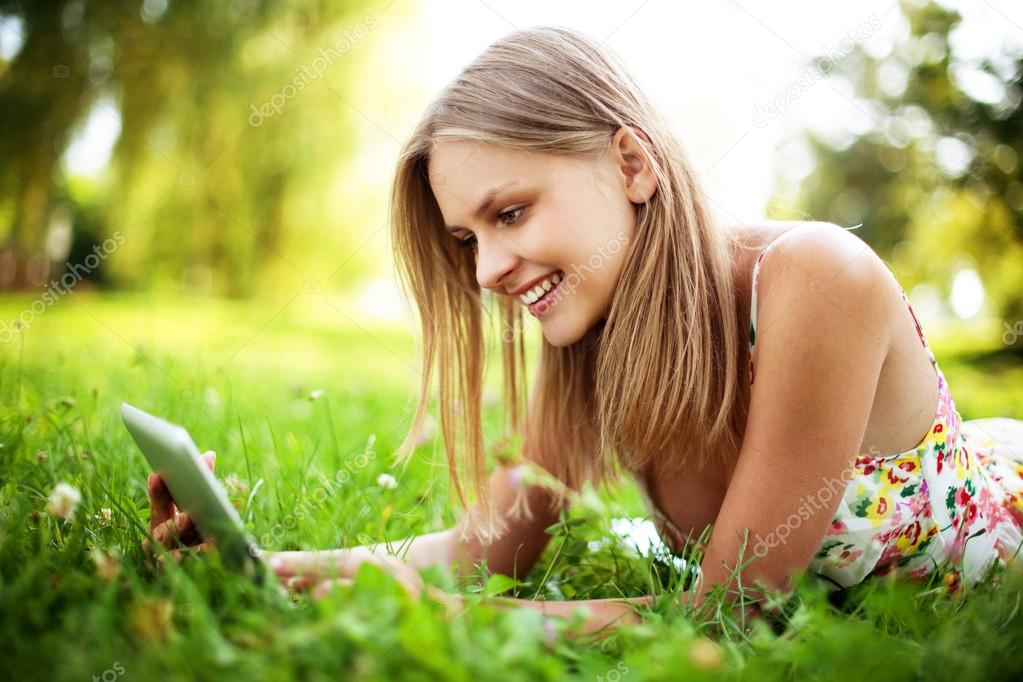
(936, 181)
(211, 197)
(235, 306)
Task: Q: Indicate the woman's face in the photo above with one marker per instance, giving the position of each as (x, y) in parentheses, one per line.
(552, 216)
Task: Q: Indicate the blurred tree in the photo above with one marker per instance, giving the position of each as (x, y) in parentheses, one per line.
(233, 121)
(41, 96)
(940, 174)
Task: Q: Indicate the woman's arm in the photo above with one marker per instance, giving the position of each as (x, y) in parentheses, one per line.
(513, 552)
(601, 614)
(823, 343)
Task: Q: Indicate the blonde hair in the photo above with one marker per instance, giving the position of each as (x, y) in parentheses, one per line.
(659, 383)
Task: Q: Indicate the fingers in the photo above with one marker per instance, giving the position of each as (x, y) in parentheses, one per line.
(289, 567)
(341, 564)
(161, 503)
(320, 588)
(188, 534)
(165, 533)
(162, 507)
(180, 529)
(287, 564)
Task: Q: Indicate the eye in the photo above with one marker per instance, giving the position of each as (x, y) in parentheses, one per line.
(470, 241)
(515, 211)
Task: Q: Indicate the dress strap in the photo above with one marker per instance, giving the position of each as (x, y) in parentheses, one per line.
(753, 289)
(916, 322)
(753, 300)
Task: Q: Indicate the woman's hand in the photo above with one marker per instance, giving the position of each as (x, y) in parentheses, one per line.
(168, 527)
(321, 571)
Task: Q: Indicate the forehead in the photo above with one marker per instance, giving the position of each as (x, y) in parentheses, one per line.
(467, 164)
(463, 172)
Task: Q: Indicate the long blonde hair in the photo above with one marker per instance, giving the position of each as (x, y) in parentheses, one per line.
(659, 384)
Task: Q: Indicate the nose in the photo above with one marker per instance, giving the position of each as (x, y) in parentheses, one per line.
(494, 260)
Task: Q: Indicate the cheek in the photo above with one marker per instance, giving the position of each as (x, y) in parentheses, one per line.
(567, 235)
(620, 229)
(586, 238)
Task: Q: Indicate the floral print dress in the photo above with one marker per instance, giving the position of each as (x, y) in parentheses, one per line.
(953, 503)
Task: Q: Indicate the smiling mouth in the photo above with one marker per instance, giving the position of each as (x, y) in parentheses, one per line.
(549, 297)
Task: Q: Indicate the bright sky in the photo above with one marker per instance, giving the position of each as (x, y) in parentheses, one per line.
(710, 64)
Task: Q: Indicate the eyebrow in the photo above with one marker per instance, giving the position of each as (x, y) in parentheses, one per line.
(485, 203)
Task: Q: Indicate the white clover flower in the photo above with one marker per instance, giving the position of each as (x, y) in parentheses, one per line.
(107, 564)
(105, 516)
(63, 500)
(387, 481)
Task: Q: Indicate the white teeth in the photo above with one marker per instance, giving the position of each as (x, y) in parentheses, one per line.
(537, 292)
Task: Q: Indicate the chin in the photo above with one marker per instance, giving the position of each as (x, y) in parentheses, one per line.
(559, 340)
(562, 333)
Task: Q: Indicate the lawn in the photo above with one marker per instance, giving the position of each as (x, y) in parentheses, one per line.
(305, 403)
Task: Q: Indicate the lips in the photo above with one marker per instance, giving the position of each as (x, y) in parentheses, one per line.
(544, 303)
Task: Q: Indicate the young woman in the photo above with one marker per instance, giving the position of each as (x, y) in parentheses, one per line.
(768, 380)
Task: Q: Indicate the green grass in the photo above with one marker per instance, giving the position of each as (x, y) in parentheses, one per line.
(239, 376)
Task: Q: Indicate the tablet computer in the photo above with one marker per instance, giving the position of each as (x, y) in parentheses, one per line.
(173, 455)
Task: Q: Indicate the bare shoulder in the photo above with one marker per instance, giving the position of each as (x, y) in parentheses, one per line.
(819, 280)
(821, 258)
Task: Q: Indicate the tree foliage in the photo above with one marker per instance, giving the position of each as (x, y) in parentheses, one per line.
(937, 182)
(235, 134)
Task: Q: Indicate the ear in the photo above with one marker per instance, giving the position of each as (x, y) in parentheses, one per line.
(634, 164)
